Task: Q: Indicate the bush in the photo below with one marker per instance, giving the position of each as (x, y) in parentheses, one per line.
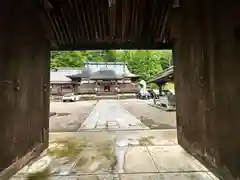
(154, 86)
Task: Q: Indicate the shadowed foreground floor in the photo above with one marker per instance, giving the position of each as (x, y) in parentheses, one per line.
(113, 144)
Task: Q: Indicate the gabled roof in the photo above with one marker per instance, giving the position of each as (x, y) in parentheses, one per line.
(60, 75)
(67, 69)
(92, 70)
(163, 76)
(86, 73)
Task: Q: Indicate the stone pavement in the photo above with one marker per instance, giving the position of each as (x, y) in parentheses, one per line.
(111, 115)
(113, 144)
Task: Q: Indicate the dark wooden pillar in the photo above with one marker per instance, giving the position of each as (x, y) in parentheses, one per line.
(160, 89)
(207, 53)
(24, 85)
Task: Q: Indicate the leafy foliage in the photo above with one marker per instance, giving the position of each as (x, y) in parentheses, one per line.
(145, 63)
(66, 59)
(154, 86)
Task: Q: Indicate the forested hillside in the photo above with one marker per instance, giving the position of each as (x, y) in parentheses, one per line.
(142, 62)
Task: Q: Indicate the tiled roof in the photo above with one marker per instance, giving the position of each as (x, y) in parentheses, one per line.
(92, 70)
(105, 74)
(120, 68)
(60, 75)
(163, 75)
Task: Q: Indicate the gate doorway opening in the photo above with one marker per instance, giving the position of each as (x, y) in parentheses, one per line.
(127, 128)
(106, 87)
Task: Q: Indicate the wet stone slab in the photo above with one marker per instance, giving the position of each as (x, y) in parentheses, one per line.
(90, 139)
(142, 176)
(156, 137)
(73, 157)
(174, 159)
(82, 177)
(138, 160)
(93, 177)
(120, 138)
(168, 176)
(38, 178)
(105, 153)
(86, 161)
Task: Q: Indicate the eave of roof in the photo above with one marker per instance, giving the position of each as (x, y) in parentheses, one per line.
(63, 82)
(75, 76)
(106, 78)
(103, 63)
(131, 76)
(163, 75)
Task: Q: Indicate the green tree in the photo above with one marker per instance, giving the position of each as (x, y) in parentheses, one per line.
(145, 63)
(154, 86)
(123, 55)
(109, 55)
(164, 56)
(66, 59)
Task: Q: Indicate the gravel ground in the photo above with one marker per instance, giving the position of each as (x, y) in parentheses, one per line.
(153, 117)
(69, 116)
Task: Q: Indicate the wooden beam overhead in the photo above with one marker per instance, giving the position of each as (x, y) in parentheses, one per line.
(85, 24)
(104, 45)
